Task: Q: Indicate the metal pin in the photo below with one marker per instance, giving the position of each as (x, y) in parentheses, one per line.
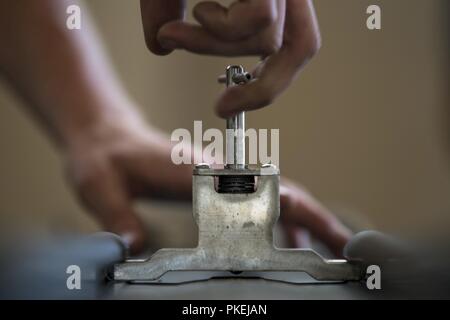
(235, 137)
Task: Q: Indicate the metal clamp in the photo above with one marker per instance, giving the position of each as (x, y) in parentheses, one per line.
(235, 218)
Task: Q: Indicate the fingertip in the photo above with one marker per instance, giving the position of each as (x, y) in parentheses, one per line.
(168, 45)
(339, 236)
(134, 239)
(153, 45)
(168, 36)
(159, 49)
(131, 231)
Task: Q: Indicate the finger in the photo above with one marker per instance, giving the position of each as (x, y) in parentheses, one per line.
(156, 13)
(162, 179)
(296, 236)
(300, 43)
(275, 75)
(103, 193)
(194, 38)
(241, 20)
(298, 207)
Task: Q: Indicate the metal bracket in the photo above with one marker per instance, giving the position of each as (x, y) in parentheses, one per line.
(236, 235)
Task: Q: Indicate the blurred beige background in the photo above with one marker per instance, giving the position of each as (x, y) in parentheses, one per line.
(365, 127)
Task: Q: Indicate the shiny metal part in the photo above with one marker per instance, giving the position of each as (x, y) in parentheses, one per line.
(235, 235)
(235, 134)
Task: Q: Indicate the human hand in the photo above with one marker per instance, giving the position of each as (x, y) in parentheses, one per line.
(118, 161)
(300, 212)
(284, 33)
(121, 160)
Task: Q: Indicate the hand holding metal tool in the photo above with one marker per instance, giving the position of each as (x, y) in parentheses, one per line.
(235, 208)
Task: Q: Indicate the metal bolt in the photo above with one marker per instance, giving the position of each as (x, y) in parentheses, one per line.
(239, 78)
(235, 142)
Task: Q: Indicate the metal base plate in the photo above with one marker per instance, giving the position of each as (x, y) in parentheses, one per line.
(235, 235)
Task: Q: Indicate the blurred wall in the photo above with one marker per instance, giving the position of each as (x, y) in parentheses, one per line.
(364, 127)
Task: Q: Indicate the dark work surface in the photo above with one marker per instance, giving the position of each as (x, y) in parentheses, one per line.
(240, 289)
(38, 271)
